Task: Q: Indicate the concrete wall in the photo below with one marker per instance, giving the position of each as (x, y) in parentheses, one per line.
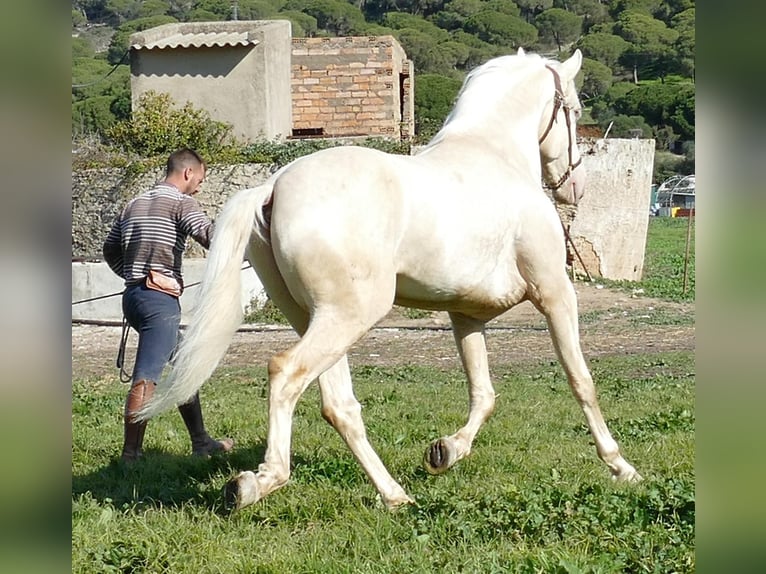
(244, 82)
(352, 86)
(94, 279)
(609, 228)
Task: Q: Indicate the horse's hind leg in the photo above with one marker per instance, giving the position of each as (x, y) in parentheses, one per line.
(290, 372)
(446, 451)
(559, 305)
(341, 409)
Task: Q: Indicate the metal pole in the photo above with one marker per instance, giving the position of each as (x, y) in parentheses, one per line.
(686, 254)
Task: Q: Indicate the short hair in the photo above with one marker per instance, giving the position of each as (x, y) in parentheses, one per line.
(181, 159)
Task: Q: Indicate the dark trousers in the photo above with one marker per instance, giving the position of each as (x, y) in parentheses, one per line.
(156, 317)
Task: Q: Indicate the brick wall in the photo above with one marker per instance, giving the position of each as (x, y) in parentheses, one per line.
(351, 86)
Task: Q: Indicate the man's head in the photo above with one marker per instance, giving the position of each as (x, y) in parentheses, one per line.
(186, 170)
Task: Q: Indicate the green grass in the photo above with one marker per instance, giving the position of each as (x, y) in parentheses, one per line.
(532, 497)
(663, 275)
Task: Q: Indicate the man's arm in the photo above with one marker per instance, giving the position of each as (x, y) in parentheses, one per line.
(195, 223)
(112, 249)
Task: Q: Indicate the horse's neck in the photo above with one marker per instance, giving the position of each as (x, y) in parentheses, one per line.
(508, 126)
(513, 142)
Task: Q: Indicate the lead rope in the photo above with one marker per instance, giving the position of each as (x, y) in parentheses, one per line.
(124, 376)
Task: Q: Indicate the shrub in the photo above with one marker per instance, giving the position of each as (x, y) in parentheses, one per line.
(158, 127)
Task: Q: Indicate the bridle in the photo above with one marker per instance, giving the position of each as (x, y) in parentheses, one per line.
(559, 103)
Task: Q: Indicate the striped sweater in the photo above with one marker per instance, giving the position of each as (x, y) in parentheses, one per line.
(151, 233)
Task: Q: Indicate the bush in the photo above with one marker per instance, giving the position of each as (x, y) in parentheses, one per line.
(158, 127)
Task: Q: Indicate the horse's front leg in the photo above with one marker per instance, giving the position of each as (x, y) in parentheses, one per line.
(446, 451)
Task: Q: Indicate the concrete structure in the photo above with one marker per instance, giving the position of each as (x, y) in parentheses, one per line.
(609, 228)
(352, 86)
(239, 72)
(94, 279)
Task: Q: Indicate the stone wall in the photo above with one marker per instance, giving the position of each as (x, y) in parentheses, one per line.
(99, 194)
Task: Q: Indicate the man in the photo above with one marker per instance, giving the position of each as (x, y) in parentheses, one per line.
(145, 247)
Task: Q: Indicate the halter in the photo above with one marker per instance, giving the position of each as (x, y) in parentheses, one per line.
(560, 103)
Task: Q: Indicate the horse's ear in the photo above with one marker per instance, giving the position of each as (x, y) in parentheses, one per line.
(572, 65)
(520, 52)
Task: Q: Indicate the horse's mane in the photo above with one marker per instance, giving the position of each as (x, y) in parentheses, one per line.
(485, 86)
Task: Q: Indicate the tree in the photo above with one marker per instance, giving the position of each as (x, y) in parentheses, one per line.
(662, 105)
(118, 12)
(118, 47)
(648, 7)
(401, 20)
(421, 49)
(255, 10)
(303, 25)
(434, 97)
(558, 25)
(531, 8)
(596, 79)
(592, 11)
(683, 23)
(501, 29)
(153, 8)
(604, 48)
(335, 16)
(627, 127)
(651, 43)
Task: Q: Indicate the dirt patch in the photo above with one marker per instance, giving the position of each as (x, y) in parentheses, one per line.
(611, 322)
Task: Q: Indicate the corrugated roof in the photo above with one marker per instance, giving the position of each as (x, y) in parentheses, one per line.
(198, 40)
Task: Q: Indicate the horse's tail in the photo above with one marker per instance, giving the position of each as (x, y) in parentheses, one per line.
(218, 311)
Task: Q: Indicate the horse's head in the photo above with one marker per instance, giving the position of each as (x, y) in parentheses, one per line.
(563, 171)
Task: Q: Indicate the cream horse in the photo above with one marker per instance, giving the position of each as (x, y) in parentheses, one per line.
(339, 236)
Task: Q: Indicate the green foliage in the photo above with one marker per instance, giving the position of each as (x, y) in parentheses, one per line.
(624, 126)
(651, 44)
(596, 79)
(434, 98)
(255, 10)
(412, 313)
(501, 29)
(119, 45)
(158, 128)
(655, 39)
(399, 21)
(102, 97)
(336, 17)
(558, 26)
(268, 314)
(78, 19)
(81, 48)
(662, 104)
(604, 48)
(303, 25)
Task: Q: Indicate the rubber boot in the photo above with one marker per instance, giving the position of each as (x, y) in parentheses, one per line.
(202, 443)
(139, 394)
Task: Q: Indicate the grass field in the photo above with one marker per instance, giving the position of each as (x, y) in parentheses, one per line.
(532, 497)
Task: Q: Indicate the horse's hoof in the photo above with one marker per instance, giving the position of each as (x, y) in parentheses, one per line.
(628, 477)
(241, 491)
(399, 504)
(438, 457)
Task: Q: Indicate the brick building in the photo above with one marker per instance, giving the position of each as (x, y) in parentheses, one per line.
(252, 75)
(352, 86)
